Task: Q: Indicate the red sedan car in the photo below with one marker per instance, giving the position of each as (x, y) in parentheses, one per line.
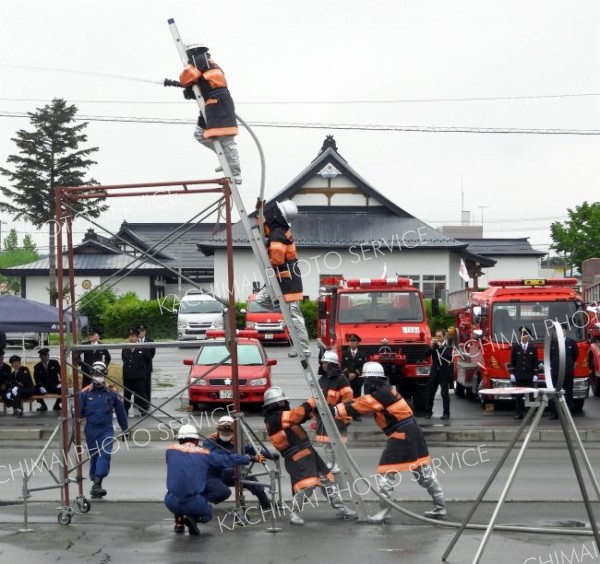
(212, 384)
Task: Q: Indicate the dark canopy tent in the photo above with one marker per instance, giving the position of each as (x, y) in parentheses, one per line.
(20, 315)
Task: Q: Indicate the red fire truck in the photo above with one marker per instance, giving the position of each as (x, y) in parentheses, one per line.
(388, 315)
(592, 299)
(487, 324)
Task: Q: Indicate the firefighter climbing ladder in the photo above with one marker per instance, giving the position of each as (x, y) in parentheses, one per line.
(260, 254)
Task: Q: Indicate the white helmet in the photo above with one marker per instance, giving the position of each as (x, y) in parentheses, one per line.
(100, 367)
(274, 395)
(187, 431)
(331, 357)
(373, 370)
(225, 422)
(288, 210)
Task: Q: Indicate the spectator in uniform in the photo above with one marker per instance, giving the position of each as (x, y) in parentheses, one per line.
(46, 374)
(523, 366)
(97, 403)
(5, 371)
(135, 373)
(91, 356)
(441, 373)
(20, 386)
(571, 355)
(352, 362)
(143, 338)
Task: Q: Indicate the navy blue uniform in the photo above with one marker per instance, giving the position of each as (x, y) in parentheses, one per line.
(219, 481)
(187, 469)
(97, 405)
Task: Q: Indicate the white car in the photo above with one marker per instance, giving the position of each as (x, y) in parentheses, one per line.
(30, 340)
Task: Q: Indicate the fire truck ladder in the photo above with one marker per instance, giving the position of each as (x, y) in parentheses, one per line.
(260, 254)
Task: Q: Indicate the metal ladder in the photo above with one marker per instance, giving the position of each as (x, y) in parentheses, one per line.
(261, 256)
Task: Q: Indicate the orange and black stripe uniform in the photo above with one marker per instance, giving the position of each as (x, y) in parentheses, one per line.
(406, 448)
(303, 464)
(219, 106)
(283, 256)
(336, 390)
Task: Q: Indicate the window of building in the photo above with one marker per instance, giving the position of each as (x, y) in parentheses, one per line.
(432, 285)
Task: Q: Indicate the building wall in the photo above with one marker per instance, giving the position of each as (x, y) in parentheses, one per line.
(37, 287)
(510, 267)
(314, 262)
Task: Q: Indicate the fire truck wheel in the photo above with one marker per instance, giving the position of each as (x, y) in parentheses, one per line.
(459, 390)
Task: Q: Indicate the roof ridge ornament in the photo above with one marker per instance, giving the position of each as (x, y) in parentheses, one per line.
(329, 143)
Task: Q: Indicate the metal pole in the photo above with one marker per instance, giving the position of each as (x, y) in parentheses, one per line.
(561, 407)
(511, 476)
(491, 479)
(61, 329)
(232, 333)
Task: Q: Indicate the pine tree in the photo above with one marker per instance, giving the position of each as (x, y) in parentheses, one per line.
(49, 156)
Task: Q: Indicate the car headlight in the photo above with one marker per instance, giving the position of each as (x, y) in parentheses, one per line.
(181, 324)
(198, 382)
(258, 382)
(250, 324)
(218, 324)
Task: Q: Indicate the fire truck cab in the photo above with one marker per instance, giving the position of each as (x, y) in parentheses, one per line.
(487, 324)
(388, 315)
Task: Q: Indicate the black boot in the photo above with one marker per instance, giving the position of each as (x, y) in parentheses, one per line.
(43, 406)
(263, 500)
(179, 524)
(97, 491)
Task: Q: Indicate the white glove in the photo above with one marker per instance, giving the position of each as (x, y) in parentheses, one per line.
(535, 378)
(8, 396)
(15, 390)
(43, 390)
(58, 386)
(512, 378)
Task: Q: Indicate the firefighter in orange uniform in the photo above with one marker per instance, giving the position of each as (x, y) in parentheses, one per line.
(219, 107)
(284, 260)
(406, 448)
(305, 467)
(336, 389)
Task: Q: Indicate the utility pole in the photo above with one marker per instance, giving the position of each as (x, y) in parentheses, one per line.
(482, 208)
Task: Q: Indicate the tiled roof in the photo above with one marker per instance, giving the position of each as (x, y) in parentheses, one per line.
(318, 226)
(180, 247)
(88, 264)
(503, 247)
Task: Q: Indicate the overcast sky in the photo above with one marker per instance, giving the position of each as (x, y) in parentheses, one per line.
(329, 62)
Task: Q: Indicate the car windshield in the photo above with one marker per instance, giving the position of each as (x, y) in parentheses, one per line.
(508, 317)
(255, 307)
(248, 355)
(378, 307)
(191, 305)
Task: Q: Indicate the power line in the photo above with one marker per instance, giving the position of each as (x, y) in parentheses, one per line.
(333, 102)
(331, 126)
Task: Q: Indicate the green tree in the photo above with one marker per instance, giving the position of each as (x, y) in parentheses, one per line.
(578, 238)
(49, 156)
(15, 255)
